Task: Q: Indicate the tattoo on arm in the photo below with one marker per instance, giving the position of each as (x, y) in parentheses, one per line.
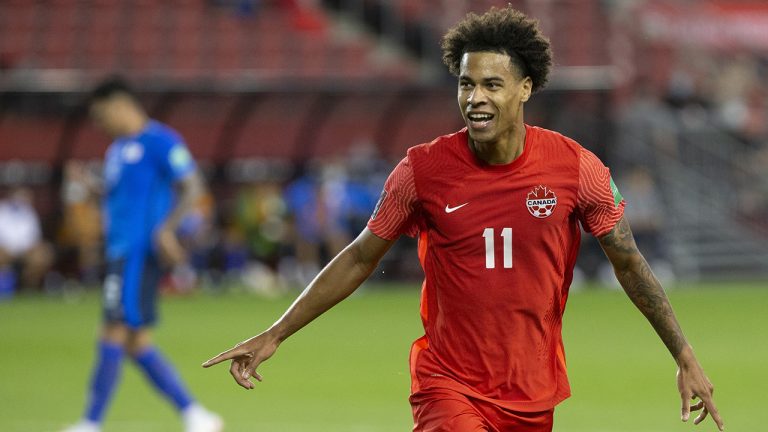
(641, 285)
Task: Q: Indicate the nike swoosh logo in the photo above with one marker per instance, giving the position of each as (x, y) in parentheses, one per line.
(449, 209)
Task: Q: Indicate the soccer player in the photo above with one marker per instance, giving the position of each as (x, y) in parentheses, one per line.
(150, 183)
(497, 208)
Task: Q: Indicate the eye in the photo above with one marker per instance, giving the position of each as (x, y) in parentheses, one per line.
(465, 85)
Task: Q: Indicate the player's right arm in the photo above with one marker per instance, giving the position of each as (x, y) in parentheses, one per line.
(340, 278)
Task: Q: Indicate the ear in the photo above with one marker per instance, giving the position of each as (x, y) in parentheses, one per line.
(526, 89)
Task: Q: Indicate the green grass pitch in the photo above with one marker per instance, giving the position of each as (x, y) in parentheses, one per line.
(348, 370)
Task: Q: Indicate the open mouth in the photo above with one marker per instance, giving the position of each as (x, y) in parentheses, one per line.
(479, 120)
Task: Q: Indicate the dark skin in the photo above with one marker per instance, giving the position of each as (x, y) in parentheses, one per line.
(645, 291)
(492, 88)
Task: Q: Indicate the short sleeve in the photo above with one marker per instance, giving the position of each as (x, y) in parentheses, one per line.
(396, 212)
(600, 203)
(180, 161)
(174, 156)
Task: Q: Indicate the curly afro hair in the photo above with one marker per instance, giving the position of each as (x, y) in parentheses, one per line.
(506, 31)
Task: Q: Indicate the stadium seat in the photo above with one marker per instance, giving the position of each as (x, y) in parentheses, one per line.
(274, 127)
(17, 23)
(33, 139)
(420, 118)
(182, 39)
(227, 48)
(146, 35)
(89, 143)
(201, 119)
(100, 32)
(353, 120)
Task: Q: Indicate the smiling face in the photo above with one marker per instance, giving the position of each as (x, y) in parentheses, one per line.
(491, 95)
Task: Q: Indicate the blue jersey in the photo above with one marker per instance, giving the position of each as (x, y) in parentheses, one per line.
(139, 175)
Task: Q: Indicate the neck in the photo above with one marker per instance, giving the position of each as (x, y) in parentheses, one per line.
(503, 150)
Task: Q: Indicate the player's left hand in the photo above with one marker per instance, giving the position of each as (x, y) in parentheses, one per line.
(171, 251)
(693, 383)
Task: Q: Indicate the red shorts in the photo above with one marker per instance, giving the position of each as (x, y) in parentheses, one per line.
(444, 410)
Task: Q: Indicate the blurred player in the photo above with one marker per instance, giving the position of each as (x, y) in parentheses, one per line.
(144, 168)
(497, 208)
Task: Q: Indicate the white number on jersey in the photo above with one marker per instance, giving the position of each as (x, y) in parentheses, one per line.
(490, 248)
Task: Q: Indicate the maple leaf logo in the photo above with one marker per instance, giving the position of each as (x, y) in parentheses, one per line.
(541, 202)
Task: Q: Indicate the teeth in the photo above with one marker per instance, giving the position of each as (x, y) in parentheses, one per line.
(480, 117)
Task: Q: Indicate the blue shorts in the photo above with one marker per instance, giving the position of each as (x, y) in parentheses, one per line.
(130, 290)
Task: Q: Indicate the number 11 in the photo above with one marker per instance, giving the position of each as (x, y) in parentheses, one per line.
(490, 252)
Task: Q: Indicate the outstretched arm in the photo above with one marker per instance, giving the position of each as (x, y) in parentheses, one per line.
(649, 297)
(340, 278)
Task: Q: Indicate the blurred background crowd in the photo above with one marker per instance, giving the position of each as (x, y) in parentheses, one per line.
(296, 111)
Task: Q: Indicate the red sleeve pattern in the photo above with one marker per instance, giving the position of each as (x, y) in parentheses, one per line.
(599, 202)
(395, 214)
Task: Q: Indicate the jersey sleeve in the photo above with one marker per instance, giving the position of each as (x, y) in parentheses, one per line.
(396, 213)
(174, 157)
(600, 203)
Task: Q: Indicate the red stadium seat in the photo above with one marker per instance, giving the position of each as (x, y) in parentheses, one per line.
(146, 35)
(186, 41)
(182, 39)
(200, 120)
(30, 138)
(356, 119)
(424, 117)
(89, 143)
(17, 23)
(274, 126)
(227, 44)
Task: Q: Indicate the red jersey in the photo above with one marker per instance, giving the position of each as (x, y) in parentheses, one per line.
(498, 244)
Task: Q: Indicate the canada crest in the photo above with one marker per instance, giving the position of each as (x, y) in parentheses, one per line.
(541, 201)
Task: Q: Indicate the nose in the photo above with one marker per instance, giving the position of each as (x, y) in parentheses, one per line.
(476, 96)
